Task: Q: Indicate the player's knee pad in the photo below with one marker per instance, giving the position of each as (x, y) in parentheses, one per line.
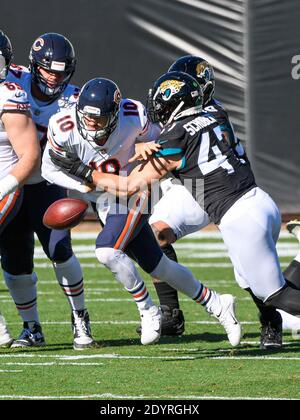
(20, 281)
(169, 251)
(110, 257)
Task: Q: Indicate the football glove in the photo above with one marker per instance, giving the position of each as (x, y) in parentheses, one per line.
(72, 164)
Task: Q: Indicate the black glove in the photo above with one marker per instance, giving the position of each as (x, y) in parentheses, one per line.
(72, 164)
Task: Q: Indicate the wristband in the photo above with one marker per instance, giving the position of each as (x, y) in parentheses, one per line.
(8, 185)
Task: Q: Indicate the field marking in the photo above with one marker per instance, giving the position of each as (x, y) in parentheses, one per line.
(183, 255)
(10, 371)
(134, 322)
(294, 358)
(84, 356)
(110, 300)
(61, 359)
(50, 364)
(139, 397)
(195, 235)
(195, 265)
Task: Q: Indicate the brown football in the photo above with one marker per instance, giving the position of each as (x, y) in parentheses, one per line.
(65, 213)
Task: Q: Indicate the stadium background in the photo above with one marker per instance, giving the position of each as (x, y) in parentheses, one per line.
(253, 46)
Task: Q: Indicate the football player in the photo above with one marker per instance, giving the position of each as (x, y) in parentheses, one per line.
(101, 132)
(177, 213)
(195, 151)
(47, 83)
(19, 150)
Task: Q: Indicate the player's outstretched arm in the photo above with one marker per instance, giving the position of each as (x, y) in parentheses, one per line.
(141, 177)
(22, 134)
(144, 150)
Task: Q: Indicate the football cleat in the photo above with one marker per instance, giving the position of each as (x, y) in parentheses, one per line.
(271, 334)
(228, 319)
(293, 227)
(5, 338)
(81, 330)
(150, 324)
(172, 321)
(31, 336)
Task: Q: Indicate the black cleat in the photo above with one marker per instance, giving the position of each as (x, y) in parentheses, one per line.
(271, 335)
(172, 322)
(31, 336)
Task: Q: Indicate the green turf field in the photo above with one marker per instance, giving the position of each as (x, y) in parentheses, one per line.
(198, 365)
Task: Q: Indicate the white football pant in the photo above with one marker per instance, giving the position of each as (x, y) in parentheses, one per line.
(250, 230)
(178, 209)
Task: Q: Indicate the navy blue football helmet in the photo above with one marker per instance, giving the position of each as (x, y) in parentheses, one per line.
(99, 99)
(55, 53)
(174, 95)
(201, 70)
(6, 55)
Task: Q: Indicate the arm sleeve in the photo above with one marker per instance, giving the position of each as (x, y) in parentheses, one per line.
(150, 132)
(54, 174)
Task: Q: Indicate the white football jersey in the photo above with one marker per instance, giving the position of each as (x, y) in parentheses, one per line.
(41, 111)
(12, 97)
(63, 135)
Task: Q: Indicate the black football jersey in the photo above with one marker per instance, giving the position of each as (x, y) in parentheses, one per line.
(209, 169)
(215, 108)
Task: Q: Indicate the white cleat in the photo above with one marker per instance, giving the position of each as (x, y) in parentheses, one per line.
(151, 319)
(228, 319)
(81, 330)
(293, 227)
(5, 338)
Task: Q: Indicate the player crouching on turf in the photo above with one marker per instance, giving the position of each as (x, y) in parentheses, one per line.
(101, 132)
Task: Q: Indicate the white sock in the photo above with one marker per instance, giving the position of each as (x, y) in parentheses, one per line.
(182, 279)
(141, 296)
(24, 293)
(70, 278)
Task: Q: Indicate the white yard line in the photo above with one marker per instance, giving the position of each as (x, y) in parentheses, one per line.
(196, 235)
(120, 322)
(85, 356)
(263, 358)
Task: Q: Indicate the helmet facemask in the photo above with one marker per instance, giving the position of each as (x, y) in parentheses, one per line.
(42, 84)
(98, 136)
(6, 56)
(3, 68)
(55, 54)
(175, 95)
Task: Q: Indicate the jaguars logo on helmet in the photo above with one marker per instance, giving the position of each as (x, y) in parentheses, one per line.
(169, 88)
(201, 70)
(174, 95)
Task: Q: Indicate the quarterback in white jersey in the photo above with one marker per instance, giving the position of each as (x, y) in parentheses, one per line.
(52, 64)
(64, 136)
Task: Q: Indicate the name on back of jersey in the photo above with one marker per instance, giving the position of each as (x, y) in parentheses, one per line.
(192, 127)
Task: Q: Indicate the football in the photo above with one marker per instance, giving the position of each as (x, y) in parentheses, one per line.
(65, 213)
